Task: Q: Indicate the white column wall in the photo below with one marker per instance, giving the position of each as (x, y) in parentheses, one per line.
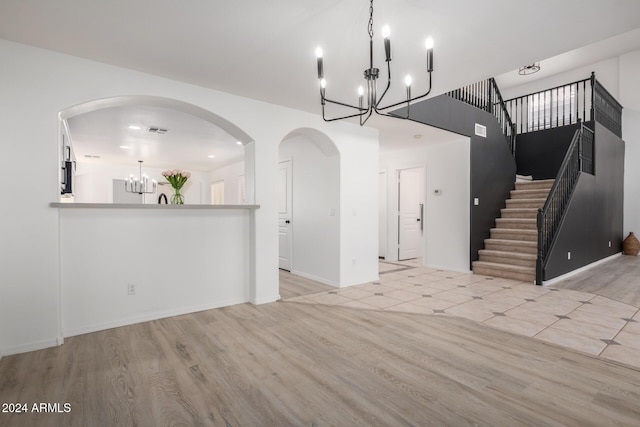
(36, 84)
(630, 100)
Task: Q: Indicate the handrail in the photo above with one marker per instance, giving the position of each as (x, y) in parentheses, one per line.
(549, 217)
(583, 100)
(485, 95)
(558, 106)
(608, 110)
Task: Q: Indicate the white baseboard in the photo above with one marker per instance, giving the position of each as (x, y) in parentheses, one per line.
(265, 300)
(580, 270)
(32, 346)
(148, 317)
(316, 278)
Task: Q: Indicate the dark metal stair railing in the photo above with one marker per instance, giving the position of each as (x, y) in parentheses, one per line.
(486, 96)
(581, 101)
(579, 158)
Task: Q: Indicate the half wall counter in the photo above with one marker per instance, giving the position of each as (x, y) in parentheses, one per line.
(127, 263)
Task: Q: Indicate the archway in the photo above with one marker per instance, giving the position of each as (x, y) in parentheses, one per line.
(309, 206)
(131, 128)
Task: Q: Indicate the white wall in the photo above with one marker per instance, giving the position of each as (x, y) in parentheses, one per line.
(173, 257)
(447, 216)
(358, 210)
(37, 84)
(232, 176)
(630, 100)
(315, 224)
(607, 73)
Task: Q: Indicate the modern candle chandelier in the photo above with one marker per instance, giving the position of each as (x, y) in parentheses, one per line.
(373, 103)
(141, 185)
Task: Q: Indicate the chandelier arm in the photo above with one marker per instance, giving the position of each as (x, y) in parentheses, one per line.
(362, 122)
(359, 115)
(345, 105)
(407, 100)
(375, 105)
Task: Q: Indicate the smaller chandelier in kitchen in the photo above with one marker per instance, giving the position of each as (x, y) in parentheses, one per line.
(140, 185)
(373, 102)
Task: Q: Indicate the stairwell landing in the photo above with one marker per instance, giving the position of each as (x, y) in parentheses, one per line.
(512, 249)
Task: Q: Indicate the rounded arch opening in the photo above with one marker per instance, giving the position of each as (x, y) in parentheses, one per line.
(309, 206)
(211, 147)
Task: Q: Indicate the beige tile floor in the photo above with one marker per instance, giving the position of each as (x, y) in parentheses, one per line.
(581, 321)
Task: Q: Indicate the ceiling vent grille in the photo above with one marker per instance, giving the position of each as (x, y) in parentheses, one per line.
(155, 129)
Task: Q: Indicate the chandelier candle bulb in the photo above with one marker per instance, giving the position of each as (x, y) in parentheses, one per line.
(386, 32)
(429, 46)
(320, 65)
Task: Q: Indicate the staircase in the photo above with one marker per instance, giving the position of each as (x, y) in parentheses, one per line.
(511, 251)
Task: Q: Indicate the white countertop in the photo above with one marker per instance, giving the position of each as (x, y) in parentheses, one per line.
(146, 206)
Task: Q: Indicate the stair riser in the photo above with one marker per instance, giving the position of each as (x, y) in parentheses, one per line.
(534, 185)
(508, 260)
(538, 194)
(507, 235)
(508, 213)
(525, 277)
(509, 248)
(524, 203)
(500, 223)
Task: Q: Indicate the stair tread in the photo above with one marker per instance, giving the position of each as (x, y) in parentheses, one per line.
(524, 220)
(535, 182)
(508, 267)
(509, 242)
(504, 254)
(515, 230)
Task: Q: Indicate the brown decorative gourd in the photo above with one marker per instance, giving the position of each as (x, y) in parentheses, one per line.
(631, 245)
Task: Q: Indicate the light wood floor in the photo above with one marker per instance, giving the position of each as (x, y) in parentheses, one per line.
(295, 286)
(618, 279)
(288, 364)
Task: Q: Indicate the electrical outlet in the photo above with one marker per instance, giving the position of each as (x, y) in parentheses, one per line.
(131, 289)
(609, 243)
(568, 255)
(353, 261)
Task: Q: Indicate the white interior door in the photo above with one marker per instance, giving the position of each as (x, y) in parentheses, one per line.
(284, 215)
(409, 213)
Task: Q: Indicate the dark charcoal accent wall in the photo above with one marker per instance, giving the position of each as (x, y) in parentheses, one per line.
(540, 154)
(493, 168)
(595, 212)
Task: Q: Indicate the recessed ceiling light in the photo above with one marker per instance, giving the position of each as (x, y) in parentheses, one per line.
(125, 147)
(134, 127)
(211, 156)
(417, 136)
(239, 142)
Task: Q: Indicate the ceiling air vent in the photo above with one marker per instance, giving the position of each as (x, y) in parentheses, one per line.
(155, 129)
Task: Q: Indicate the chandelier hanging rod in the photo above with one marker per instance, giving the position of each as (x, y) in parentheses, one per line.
(371, 76)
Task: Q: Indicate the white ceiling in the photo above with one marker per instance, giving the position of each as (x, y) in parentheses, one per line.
(265, 49)
(104, 136)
